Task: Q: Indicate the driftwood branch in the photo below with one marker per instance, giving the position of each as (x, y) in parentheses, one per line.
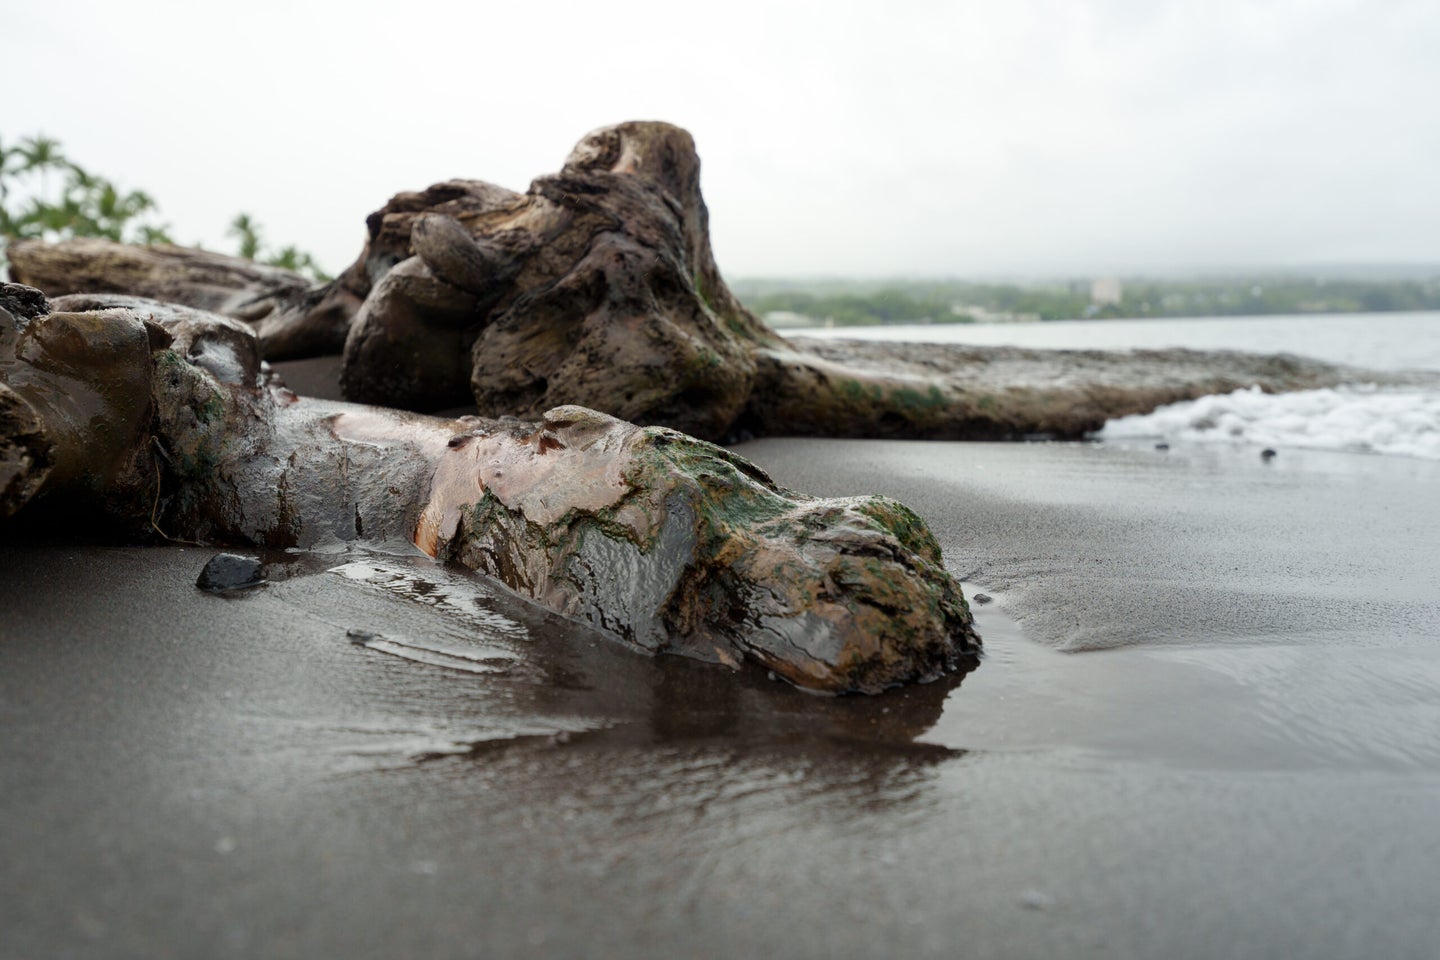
(268, 298)
(142, 415)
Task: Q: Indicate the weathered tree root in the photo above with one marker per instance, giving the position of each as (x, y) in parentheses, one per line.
(598, 287)
(166, 418)
(24, 452)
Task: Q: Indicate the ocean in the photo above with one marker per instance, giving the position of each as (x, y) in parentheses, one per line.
(1358, 418)
(1382, 341)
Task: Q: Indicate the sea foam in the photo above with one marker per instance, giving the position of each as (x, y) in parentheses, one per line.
(1361, 419)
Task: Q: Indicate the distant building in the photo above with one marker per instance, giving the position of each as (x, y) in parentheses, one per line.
(1106, 292)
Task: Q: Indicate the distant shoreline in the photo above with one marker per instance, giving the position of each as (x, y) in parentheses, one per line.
(1153, 318)
(1385, 341)
(788, 303)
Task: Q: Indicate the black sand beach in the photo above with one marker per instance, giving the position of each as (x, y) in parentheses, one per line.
(1204, 727)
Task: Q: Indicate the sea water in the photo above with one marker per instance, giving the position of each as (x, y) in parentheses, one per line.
(1356, 419)
(1360, 417)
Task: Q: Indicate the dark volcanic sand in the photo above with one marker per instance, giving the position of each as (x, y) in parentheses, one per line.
(1250, 769)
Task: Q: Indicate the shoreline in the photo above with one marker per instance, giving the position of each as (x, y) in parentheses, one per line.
(1248, 771)
(1389, 342)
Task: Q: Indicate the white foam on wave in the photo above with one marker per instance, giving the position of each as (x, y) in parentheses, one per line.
(1361, 419)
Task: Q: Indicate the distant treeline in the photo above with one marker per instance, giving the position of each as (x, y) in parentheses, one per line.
(46, 196)
(845, 303)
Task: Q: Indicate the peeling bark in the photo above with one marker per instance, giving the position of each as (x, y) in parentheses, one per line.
(163, 418)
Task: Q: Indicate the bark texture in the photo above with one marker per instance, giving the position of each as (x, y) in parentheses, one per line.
(154, 417)
(270, 299)
(837, 388)
(598, 287)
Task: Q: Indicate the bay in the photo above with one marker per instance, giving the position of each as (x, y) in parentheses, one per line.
(1382, 341)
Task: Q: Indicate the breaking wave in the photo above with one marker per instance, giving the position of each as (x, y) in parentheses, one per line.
(1361, 419)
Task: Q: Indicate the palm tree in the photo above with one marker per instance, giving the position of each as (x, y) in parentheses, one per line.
(92, 206)
(12, 162)
(128, 207)
(41, 153)
(150, 236)
(6, 156)
(78, 181)
(293, 258)
(248, 233)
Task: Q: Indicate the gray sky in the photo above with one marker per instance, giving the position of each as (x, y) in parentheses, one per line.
(960, 138)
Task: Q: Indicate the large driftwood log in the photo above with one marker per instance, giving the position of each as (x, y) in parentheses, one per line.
(947, 392)
(598, 287)
(152, 417)
(209, 281)
(268, 298)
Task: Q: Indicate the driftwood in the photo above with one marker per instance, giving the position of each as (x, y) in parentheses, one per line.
(268, 298)
(945, 392)
(152, 418)
(197, 278)
(597, 287)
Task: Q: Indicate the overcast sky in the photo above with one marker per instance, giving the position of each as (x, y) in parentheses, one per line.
(838, 138)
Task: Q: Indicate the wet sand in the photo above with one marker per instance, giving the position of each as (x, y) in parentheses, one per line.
(1204, 727)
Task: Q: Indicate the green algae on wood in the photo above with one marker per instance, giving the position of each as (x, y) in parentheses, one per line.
(661, 540)
(681, 546)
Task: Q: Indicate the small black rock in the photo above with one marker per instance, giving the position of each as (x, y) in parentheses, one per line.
(228, 571)
(1162, 446)
(982, 598)
(1267, 454)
